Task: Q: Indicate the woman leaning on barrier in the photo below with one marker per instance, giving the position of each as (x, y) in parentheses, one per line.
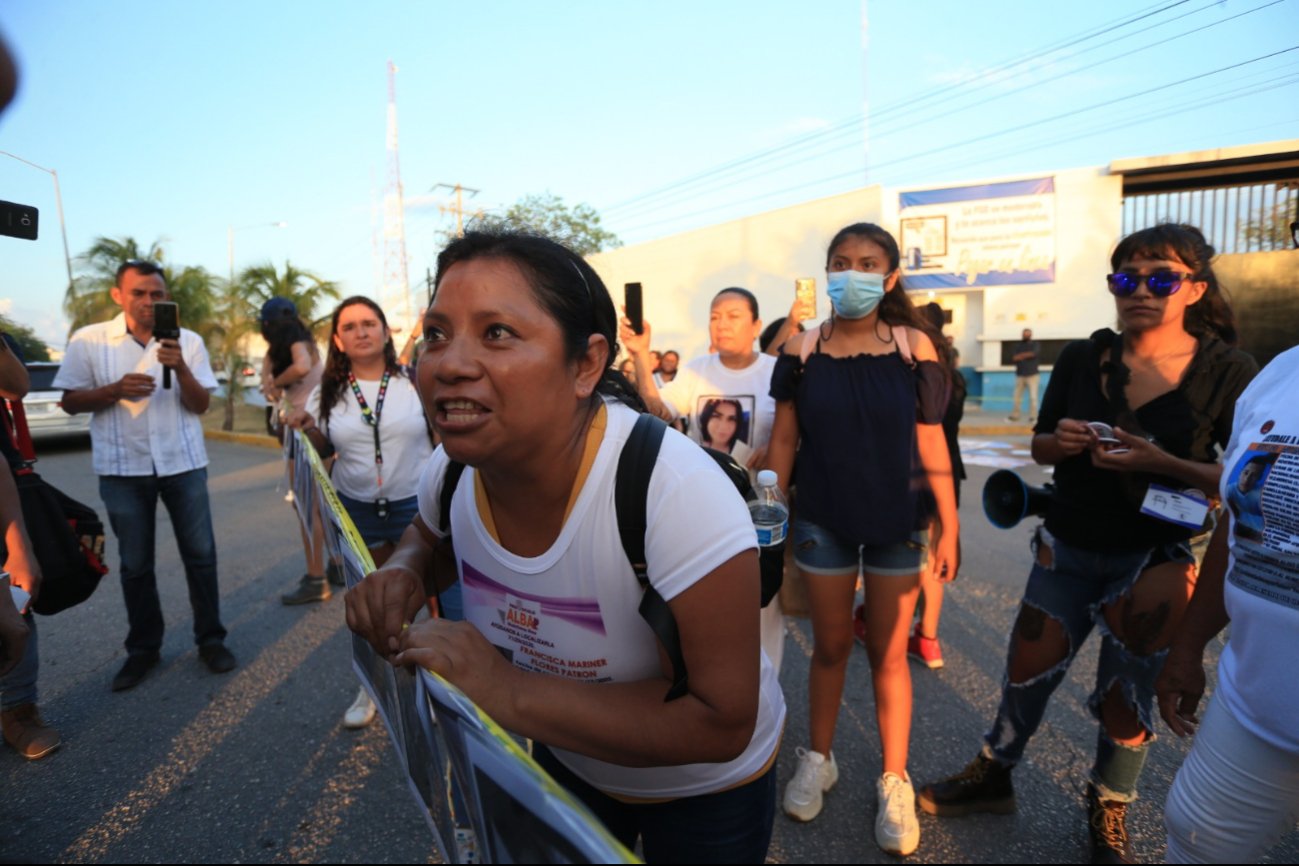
(1133, 422)
(517, 381)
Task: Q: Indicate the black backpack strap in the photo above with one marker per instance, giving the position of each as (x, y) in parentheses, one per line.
(449, 481)
(631, 496)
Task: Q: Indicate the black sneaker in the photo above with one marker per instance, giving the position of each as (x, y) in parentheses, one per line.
(334, 574)
(136, 668)
(983, 786)
(309, 589)
(1107, 821)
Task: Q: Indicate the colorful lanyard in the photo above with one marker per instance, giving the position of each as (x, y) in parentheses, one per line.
(372, 417)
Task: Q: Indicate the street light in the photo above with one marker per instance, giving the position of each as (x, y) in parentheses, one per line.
(58, 200)
(230, 241)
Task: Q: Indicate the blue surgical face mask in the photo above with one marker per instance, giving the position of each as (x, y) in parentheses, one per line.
(854, 294)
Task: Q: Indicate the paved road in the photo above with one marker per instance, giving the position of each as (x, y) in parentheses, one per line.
(255, 766)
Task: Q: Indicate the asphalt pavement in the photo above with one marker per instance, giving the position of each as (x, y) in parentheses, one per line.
(254, 766)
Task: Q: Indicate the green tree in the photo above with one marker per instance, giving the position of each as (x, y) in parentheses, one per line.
(34, 348)
(233, 320)
(307, 290)
(577, 227)
(1269, 228)
(89, 299)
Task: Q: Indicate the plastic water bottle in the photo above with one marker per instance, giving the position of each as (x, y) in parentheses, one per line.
(770, 511)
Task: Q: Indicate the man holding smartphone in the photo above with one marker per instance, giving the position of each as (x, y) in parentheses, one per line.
(148, 445)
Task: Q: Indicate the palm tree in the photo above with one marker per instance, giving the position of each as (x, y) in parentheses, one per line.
(233, 319)
(307, 290)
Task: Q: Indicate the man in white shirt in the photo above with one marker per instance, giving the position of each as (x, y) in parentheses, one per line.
(148, 444)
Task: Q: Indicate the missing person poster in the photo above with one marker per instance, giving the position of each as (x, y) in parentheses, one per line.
(1263, 495)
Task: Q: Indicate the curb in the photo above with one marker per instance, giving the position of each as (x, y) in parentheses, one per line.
(243, 439)
(995, 430)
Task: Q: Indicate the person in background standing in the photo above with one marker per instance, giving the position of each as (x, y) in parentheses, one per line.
(735, 373)
(148, 445)
(1024, 355)
(23, 727)
(667, 367)
(367, 414)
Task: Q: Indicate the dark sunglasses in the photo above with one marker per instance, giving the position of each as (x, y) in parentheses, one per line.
(1161, 283)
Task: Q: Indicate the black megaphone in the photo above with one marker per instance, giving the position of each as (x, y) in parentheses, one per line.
(1007, 499)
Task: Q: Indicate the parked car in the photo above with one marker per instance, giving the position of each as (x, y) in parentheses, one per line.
(44, 405)
(249, 376)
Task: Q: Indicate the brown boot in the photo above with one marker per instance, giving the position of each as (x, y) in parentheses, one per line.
(24, 730)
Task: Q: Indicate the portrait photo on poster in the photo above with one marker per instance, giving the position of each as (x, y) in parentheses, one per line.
(1245, 483)
(726, 423)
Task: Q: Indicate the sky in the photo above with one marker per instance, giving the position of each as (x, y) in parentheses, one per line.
(178, 122)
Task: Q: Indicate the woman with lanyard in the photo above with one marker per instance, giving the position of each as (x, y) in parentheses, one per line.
(367, 415)
(1133, 423)
(860, 399)
(291, 369)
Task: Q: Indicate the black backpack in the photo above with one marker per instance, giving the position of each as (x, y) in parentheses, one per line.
(631, 495)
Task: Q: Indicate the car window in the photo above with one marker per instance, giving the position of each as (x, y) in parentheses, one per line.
(43, 378)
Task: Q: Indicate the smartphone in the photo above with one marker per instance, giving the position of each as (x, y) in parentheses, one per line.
(166, 326)
(21, 599)
(634, 306)
(805, 292)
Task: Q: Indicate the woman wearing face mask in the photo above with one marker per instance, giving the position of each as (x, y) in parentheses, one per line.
(734, 373)
(861, 399)
(1110, 554)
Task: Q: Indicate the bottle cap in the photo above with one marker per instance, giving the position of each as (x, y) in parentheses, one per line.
(767, 478)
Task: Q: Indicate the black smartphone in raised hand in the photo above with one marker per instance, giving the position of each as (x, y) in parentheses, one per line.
(635, 308)
(166, 326)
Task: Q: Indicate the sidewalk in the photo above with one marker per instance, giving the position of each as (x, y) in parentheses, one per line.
(992, 421)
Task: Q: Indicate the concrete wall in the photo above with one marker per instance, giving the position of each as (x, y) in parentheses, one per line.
(764, 253)
(1264, 292)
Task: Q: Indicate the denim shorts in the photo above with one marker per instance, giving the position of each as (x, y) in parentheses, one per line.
(375, 529)
(817, 550)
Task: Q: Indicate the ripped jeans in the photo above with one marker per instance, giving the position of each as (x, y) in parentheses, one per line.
(1073, 590)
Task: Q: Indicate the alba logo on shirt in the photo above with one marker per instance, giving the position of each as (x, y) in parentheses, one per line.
(521, 615)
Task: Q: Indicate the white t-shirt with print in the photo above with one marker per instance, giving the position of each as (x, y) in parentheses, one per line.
(1260, 487)
(403, 439)
(705, 380)
(572, 611)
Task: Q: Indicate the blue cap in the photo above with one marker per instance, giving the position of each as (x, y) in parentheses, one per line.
(278, 308)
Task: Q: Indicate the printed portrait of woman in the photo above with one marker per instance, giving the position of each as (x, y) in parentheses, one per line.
(723, 422)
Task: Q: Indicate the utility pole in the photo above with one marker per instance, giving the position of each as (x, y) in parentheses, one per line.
(459, 209)
(396, 284)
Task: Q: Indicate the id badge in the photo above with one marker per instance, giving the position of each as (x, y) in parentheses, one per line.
(1184, 508)
(381, 508)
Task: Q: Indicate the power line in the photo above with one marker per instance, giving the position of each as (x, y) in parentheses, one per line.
(826, 143)
(963, 144)
(856, 119)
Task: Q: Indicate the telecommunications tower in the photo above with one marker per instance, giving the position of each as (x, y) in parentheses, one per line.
(396, 299)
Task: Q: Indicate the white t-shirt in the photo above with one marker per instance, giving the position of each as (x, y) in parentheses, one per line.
(734, 407)
(572, 611)
(1260, 485)
(403, 438)
(148, 434)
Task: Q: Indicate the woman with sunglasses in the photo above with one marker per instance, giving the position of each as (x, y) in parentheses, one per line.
(367, 415)
(861, 399)
(1131, 494)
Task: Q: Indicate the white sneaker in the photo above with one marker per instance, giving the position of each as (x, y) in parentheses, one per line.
(466, 846)
(815, 775)
(896, 828)
(361, 712)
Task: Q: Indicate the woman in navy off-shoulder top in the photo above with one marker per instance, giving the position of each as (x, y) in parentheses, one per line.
(861, 398)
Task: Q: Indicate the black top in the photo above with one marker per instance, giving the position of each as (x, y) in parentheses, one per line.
(1100, 509)
(858, 470)
(1028, 366)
